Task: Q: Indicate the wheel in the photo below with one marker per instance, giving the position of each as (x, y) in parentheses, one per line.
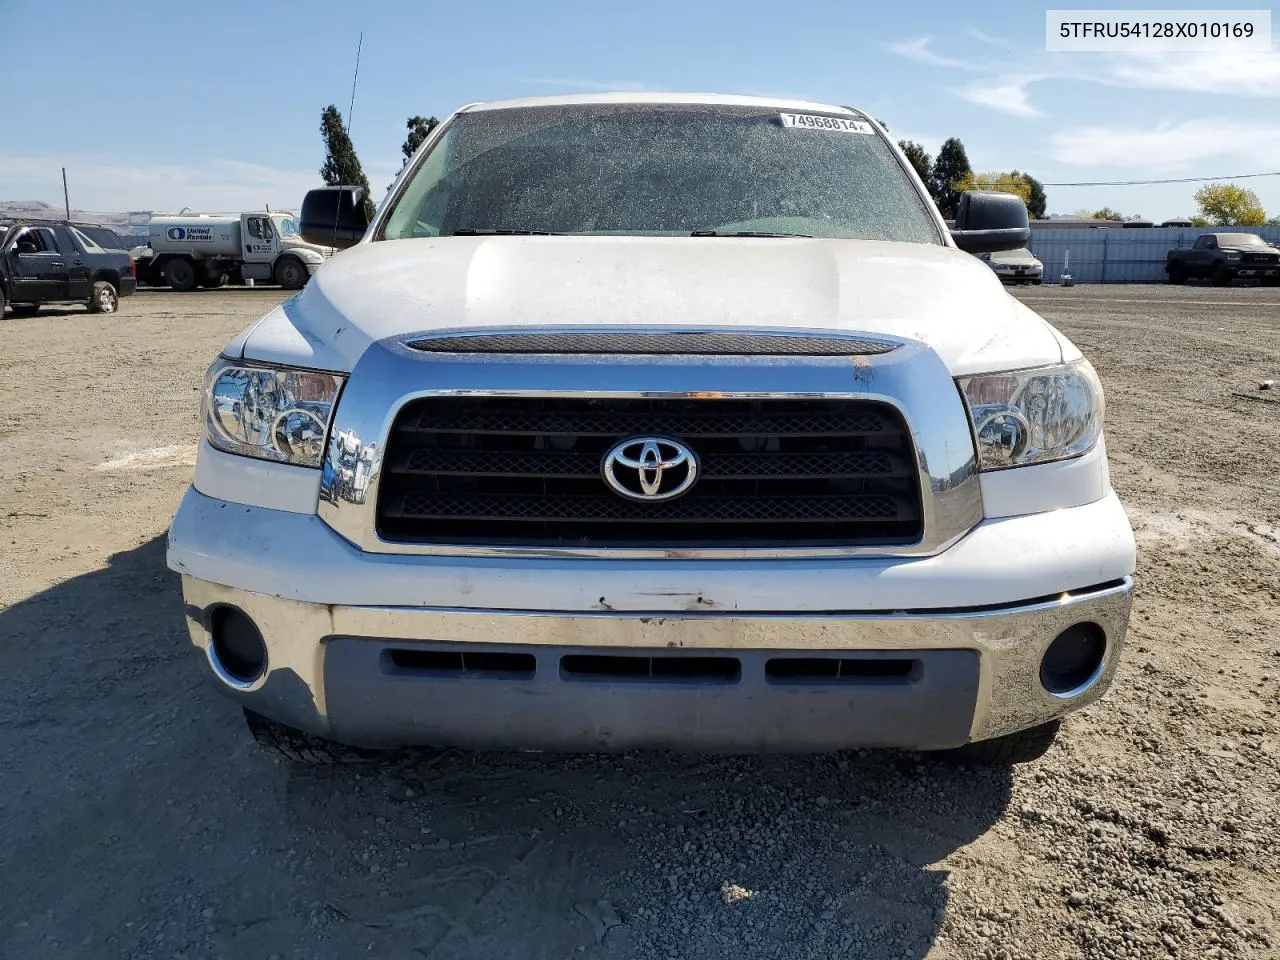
(104, 298)
(24, 309)
(301, 747)
(1176, 274)
(213, 282)
(290, 273)
(180, 275)
(1021, 747)
(1220, 276)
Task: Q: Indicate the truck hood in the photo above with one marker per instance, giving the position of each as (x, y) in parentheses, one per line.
(297, 243)
(935, 294)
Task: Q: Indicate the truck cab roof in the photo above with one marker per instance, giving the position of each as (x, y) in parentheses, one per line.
(710, 99)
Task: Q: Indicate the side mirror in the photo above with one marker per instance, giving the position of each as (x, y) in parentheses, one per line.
(333, 217)
(987, 222)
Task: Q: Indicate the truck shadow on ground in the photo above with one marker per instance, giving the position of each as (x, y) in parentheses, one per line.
(59, 310)
(139, 819)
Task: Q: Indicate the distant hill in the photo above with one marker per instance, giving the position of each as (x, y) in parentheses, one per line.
(132, 222)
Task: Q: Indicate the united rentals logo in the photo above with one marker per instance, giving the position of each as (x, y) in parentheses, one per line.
(199, 234)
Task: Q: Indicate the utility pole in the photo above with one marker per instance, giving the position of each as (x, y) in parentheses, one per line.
(65, 198)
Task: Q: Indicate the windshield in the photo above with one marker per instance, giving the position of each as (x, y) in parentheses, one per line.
(285, 226)
(1240, 240)
(660, 170)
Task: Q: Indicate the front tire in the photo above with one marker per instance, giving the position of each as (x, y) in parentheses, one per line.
(1025, 746)
(300, 747)
(1221, 276)
(291, 274)
(180, 275)
(104, 298)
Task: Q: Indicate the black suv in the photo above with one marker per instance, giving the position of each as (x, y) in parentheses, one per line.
(52, 262)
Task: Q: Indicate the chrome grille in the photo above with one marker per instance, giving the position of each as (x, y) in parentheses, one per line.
(525, 471)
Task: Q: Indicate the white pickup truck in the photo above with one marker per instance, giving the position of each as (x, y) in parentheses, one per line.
(655, 421)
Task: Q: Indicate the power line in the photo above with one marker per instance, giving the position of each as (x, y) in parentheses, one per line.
(1135, 183)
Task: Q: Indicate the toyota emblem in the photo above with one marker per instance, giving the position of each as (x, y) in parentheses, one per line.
(650, 469)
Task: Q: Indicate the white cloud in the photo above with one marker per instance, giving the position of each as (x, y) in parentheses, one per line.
(1007, 94)
(1003, 85)
(985, 38)
(918, 50)
(1251, 73)
(1250, 144)
(210, 186)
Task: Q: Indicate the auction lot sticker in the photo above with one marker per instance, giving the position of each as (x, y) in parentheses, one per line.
(1147, 31)
(810, 121)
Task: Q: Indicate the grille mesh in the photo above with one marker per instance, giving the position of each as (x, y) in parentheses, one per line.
(527, 472)
(607, 421)
(668, 343)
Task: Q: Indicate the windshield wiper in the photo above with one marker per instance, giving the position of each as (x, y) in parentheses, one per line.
(745, 233)
(501, 232)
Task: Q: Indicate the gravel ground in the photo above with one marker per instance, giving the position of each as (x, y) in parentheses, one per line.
(138, 820)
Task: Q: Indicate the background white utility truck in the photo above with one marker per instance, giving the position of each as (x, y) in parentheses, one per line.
(209, 251)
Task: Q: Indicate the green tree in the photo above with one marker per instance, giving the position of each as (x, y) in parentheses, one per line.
(419, 129)
(998, 182)
(1226, 205)
(341, 165)
(1035, 195)
(951, 167)
(918, 158)
(1199, 221)
(1106, 213)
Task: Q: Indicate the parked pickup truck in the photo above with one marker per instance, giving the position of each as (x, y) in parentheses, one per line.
(1223, 257)
(655, 421)
(50, 262)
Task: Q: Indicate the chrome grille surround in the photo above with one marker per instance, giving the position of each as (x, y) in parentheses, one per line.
(910, 378)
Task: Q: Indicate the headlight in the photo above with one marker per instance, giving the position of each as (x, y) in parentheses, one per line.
(272, 413)
(1034, 416)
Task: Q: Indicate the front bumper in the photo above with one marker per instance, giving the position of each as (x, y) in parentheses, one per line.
(363, 648)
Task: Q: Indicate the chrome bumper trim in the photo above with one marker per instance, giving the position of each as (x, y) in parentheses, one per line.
(1010, 640)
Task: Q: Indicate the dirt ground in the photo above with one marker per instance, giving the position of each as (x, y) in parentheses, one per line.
(137, 819)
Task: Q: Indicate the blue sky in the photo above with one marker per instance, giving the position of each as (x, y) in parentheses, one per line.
(216, 106)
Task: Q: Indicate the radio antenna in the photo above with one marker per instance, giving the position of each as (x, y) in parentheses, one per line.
(354, 77)
(351, 109)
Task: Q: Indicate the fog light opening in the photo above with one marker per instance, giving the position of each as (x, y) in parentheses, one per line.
(1074, 660)
(236, 650)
